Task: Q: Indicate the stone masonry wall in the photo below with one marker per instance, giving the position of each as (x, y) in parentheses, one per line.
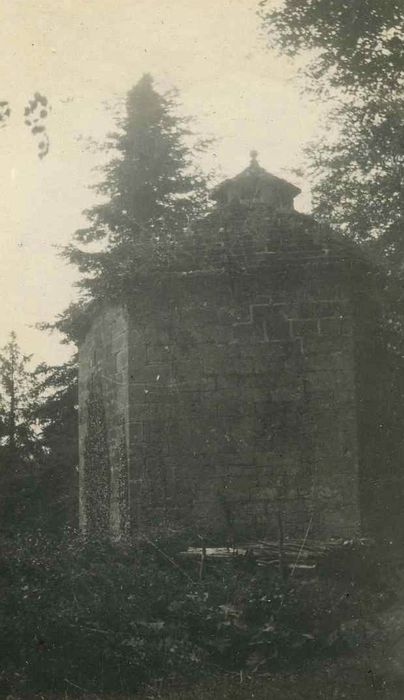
(242, 395)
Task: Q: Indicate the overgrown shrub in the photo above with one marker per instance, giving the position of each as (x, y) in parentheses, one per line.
(96, 616)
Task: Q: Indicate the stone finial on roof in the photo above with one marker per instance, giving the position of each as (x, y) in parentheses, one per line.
(254, 157)
(255, 184)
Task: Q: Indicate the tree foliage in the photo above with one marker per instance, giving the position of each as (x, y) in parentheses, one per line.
(358, 177)
(56, 413)
(357, 60)
(103, 618)
(357, 44)
(151, 191)
(38, 441)
(36, 113)
(20, 439)
(18, 392)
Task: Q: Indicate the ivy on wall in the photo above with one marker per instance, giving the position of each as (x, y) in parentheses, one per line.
(97, 471)
(122, 478)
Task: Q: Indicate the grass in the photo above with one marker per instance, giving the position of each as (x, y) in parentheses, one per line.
(99, 622)
(349, 678)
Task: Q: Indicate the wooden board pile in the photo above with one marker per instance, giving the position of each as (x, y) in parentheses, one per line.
(294, 555)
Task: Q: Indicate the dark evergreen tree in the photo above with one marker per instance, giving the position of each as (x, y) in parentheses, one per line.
(57, 415)
(18, 391)
(151, 192)
(38, 442)
(20, 441)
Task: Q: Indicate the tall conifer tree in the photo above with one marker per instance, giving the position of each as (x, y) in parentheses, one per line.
(19, 442)
(151, 191)
(56, 413)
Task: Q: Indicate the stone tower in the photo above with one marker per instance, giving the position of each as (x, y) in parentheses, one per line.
(225, 395)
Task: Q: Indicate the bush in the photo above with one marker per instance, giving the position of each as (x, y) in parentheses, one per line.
(95, 616)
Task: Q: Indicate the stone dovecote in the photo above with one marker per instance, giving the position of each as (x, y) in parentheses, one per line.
(231, 387)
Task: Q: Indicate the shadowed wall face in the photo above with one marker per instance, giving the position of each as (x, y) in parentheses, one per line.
(242, 401)
(235, 386)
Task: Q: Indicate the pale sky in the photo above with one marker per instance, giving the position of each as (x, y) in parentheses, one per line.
(81, 53)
